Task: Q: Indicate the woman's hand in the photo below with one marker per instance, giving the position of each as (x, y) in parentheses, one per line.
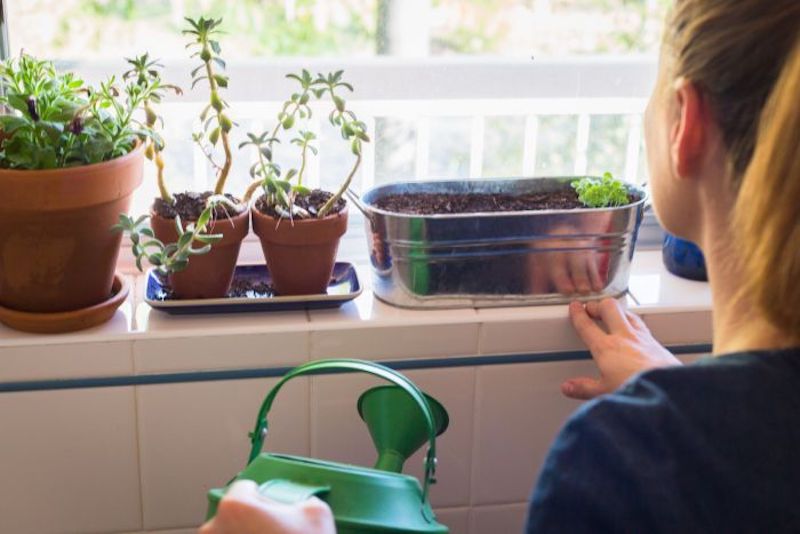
(627, 348)
(244, 510)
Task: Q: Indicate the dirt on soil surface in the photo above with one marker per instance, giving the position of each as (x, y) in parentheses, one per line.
(243, 287)
(311, 202)
(190, 205)
(443, 203)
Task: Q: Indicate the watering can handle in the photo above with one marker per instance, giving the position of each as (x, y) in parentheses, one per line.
(381, 371)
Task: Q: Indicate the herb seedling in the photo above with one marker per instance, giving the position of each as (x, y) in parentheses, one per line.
(56, 121)
(279, 191)
(601, 193)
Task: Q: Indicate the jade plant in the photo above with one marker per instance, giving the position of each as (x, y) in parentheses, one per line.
(54, 120)
(216, 127)
(282, 190)
(601, 193)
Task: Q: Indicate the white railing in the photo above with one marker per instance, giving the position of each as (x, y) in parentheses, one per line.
(422, 95)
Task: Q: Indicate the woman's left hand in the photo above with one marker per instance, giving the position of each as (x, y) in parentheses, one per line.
(625, 349)
(244, 510)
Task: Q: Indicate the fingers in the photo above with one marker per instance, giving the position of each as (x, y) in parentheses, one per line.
(242, 490)
(583, 388)
(578, 266)
(587, 329)
(613, 315)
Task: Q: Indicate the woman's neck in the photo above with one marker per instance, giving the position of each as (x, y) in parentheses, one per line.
(739, 325)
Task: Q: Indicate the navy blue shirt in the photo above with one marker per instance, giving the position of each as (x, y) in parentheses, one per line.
(709, 447)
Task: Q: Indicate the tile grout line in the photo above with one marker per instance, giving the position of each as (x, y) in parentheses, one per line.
(138, 452)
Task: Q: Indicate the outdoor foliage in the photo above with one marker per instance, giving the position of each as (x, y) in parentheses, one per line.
(601, 193)
(57, 121)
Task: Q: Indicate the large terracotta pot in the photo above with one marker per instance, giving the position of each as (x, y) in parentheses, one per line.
(300, 254)
(57, 250)
(208, 275)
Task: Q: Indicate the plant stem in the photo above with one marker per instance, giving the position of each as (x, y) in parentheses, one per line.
(335, 198)
(226, 167)
(162, 184)
(303, 158)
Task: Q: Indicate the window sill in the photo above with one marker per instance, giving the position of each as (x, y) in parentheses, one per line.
(142, 341)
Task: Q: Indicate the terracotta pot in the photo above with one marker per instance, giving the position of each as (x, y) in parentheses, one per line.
(208, 275)
(57, 251)
(300, 254)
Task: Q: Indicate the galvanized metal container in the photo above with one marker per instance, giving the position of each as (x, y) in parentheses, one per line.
(498, 259)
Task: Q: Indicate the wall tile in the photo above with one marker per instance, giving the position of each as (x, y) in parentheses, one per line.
(680, 327)
(194, 437)
(198, 352)
(519, 410)
(69, 462)
(504, 519)
(65, 360)
(456, 519)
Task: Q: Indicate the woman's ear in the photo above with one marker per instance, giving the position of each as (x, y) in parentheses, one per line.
(689, 133)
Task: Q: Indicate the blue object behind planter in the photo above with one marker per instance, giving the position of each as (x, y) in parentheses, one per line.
(684, 258)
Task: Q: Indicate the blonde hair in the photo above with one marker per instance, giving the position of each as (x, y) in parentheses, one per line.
(767, 213)
(733, 50)
(744, 55)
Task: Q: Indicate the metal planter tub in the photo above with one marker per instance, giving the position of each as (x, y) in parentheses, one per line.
(498, 259)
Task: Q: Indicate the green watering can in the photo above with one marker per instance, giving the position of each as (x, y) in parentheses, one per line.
(400, 417)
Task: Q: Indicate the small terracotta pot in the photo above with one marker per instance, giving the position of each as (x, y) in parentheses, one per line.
(300, 254)
(57, 250)
(208, 275)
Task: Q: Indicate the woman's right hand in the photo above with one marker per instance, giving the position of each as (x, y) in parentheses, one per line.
(626, 349)
(243, 510)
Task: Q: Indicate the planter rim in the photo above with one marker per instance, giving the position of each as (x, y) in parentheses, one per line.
(644, 199)
(232, 231)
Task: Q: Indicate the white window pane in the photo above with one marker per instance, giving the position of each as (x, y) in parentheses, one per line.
(556, 145)
(504, 146)
(449, 147)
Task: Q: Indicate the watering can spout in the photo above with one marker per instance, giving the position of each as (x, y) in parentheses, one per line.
(396, 424)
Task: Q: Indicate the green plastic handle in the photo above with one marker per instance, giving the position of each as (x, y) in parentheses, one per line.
(288, 492)
(381, 371)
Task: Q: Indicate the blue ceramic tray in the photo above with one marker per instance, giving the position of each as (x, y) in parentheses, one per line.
(251, 291)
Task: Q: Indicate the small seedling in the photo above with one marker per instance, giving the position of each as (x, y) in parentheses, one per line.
(601, 193)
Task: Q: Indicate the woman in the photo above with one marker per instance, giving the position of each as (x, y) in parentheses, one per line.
(713, 446)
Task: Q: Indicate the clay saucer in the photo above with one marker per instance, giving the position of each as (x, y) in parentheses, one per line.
(68, 321)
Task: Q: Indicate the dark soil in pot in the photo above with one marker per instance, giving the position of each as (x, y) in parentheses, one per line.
(300, 253)
(312, 203)
(441, 203)
(208, 275)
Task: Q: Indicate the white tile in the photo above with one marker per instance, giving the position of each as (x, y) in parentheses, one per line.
(68, 360)
(680, 328)
(396, 342)
(527, 330)
(339, 434)
(69, 462)
(456, 519)
(227, 351)
(519, 410)
(504, 519)
(194, 437)
(655, 288)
